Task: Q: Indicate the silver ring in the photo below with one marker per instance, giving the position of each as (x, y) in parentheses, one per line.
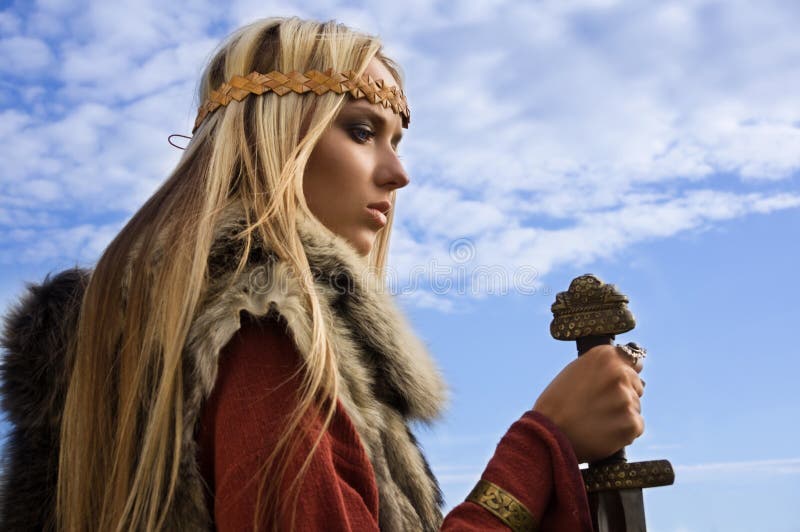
(634, 351)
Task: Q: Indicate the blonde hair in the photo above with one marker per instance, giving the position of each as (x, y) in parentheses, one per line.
(122, 426)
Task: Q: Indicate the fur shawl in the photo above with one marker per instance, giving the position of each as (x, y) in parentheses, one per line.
(387, 377)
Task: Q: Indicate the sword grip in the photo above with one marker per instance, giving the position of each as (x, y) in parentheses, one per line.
(585, 343)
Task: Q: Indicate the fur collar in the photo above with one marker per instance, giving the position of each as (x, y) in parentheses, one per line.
(387, 377)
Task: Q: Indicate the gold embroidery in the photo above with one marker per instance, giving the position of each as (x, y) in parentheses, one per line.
(503, 505)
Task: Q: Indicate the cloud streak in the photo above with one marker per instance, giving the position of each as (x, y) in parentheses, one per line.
(715, 470)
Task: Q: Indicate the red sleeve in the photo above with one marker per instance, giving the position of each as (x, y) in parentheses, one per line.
(240, 424)
(255, 390)
(535, 463)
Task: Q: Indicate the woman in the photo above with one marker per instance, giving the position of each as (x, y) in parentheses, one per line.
(231, 361)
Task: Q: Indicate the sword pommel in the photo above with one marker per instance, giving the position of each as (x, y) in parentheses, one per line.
(590, 307)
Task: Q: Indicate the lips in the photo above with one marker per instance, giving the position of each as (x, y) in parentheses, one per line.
(377, 217)
(378, 212)
(381, 206)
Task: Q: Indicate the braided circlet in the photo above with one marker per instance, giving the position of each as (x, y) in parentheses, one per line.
(239, 87)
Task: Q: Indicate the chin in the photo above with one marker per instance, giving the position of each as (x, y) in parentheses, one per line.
(364, 250)
(363, 243)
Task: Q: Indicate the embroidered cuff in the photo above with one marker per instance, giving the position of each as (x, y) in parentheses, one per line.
(503, 505)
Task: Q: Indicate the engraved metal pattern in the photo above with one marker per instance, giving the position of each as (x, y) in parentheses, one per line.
(239, 87)
(590, 308)
(503, 505)
(627, 475)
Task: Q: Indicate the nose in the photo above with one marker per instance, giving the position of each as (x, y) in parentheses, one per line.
(392, 173)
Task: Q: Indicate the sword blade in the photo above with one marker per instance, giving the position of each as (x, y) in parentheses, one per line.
(633, 505)
(618, 510)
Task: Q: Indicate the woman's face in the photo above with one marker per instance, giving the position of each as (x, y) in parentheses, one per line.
(354, 168)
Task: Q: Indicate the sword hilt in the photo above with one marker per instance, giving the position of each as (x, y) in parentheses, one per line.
(592, 313)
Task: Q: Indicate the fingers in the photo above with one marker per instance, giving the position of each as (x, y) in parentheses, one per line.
(638, 385)
(633, 429)
(635, 421)
(628, 399)
(631, 389)
(631, 422)
(596, 401)
(621, 353)
(620, 366)
(638, 426)
(636, 403)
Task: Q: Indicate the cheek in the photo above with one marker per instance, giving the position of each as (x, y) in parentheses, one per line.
(337, 185)
(317, 176)
(332, 176)
(336, 170)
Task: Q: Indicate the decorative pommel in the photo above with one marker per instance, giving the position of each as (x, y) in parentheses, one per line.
(590, 308)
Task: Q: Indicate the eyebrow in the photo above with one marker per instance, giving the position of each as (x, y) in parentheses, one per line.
(374, 115)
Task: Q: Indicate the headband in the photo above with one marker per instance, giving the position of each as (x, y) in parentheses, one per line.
(315, 81)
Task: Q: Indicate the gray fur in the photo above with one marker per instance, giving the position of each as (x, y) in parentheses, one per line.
(387, 379)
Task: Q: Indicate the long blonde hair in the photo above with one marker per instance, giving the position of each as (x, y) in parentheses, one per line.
(122, 426)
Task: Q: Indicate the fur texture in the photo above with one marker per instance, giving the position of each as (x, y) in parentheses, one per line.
(387, 377)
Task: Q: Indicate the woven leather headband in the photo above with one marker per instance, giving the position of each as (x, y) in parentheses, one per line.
(315, 81)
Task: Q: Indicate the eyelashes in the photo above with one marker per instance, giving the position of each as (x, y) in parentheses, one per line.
(361, 134)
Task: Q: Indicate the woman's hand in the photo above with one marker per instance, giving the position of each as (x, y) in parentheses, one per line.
(595, 402)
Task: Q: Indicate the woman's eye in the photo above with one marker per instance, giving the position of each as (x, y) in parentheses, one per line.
(361, 134)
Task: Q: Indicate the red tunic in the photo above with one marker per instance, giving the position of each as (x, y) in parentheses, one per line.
(254, 392)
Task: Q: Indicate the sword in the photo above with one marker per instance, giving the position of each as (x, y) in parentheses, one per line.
(593, 313)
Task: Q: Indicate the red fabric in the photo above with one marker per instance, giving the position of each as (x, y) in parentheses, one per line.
(255, 390)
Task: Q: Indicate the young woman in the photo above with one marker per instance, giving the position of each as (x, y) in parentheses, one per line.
(232, 360)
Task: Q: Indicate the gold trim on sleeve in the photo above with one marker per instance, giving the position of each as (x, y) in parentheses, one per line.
(503, 505)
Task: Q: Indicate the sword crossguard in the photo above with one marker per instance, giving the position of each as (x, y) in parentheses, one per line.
(625, 475)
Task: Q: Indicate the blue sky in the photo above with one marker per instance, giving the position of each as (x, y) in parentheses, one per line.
(656, 144)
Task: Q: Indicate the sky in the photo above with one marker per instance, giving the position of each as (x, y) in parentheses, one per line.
(656, 144)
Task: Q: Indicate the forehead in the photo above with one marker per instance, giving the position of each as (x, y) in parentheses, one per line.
(378, 70)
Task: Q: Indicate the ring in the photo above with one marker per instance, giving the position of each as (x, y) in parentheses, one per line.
(635, 352)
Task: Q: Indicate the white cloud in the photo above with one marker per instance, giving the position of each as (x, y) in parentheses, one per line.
(546, 132)
(80, 244)
(601, 234)
(24, 56)
(9, 23)
(440, 211)
(423, 299)
(613, 100)
(511, 257)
